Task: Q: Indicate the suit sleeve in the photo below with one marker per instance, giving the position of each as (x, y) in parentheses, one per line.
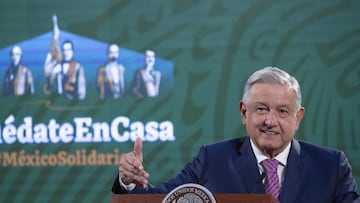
(346, 185)
(191, 173)
(116, 188)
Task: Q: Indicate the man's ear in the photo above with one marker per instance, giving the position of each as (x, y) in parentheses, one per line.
(242, 109)
(299, 115)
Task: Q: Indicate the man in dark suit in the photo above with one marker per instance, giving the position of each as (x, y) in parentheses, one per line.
(269, 160)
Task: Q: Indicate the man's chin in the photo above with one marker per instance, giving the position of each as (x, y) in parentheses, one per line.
(269, 145)
(113, 59)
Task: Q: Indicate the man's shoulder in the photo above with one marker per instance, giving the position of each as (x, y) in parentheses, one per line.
(228, 143)
(24, 67)
(76, 64)
(316, 149)
(121, 66)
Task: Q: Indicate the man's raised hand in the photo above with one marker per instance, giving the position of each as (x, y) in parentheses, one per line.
(131, 168)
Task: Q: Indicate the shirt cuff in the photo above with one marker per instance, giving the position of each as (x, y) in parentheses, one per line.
(129, 187)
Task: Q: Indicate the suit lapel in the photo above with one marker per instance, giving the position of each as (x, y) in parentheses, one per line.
(247, 167)
(294, 173)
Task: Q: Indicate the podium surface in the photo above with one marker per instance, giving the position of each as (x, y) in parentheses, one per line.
(220, 198)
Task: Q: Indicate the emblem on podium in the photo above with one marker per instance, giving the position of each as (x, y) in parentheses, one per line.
(189, 193)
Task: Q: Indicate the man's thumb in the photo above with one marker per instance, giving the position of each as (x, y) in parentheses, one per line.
(138, 149)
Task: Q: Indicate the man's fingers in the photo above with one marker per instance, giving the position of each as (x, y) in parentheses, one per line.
(135, 174)
(138, 149)
(131, 168)
(129, 161)
(130, 174)
(132, 165)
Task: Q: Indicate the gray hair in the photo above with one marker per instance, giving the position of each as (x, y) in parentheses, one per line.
(272, 75)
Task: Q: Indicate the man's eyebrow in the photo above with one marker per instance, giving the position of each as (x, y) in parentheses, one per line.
(285, 105)
(260, 103)
(278, 106)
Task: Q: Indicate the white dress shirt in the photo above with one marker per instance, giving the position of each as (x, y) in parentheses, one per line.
(282, 158)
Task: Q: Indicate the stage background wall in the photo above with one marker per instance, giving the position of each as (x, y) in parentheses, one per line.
(209, 48)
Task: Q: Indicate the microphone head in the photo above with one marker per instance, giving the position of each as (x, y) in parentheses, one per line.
(261, 177)
(259, 180)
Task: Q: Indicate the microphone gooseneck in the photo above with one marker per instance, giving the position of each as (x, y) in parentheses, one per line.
(259, 181)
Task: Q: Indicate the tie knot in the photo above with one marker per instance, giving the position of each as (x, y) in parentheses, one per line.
(270, 165)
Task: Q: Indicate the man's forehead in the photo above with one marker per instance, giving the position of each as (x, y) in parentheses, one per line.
(269, 87)
(113, 48)
(266, 92)
(150, 53)
(270, 104)
(16, 50)
(67, 46)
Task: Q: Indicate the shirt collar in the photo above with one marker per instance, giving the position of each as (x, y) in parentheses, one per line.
(282, 157)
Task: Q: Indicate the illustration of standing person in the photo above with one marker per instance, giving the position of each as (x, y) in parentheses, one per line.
(18, 79)
(110, 76)
(62, 70)
(146, 81)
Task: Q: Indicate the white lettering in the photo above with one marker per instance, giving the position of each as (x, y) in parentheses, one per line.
(24, 132)
(40, 134)
(101, 132)
(9, 133)
(151, 131)
(53, 126)
(82, 129)
(166, 131)
(137, 130)
(115, 129)
(66, 133)
(121, 129)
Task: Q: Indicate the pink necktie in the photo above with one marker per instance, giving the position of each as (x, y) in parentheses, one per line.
(272, 184)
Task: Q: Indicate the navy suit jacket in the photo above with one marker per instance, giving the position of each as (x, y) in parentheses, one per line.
(313, 174)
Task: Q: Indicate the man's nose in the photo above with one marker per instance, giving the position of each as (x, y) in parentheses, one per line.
(271, 119)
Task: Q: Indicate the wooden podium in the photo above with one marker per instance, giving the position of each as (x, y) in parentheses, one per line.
(220, 198)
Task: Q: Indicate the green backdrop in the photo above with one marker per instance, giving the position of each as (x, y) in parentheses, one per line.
(211, 48)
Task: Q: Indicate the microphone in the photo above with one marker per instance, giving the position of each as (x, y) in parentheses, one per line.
(259, 181)
(203, 181)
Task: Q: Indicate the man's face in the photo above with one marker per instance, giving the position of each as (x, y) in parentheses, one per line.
(15, 55)
(271, 117)
(67, 52)
(113, 52)
(150, 58)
